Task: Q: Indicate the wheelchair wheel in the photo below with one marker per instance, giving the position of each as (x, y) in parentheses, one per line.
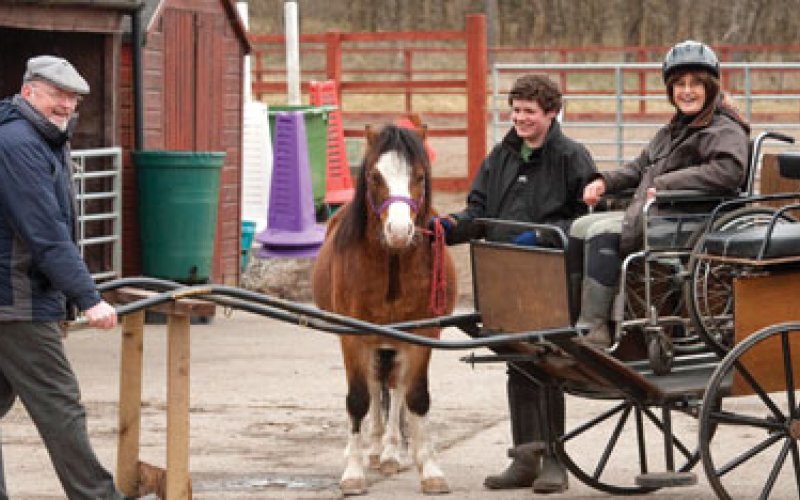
(667, 283)
(660, 351)
(709, 290)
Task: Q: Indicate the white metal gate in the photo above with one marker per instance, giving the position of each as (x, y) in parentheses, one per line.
(614, 88)
(98, 184)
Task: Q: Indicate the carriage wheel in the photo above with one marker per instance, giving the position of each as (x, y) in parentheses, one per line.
(749, 443)
(709, 291)
(609, 450)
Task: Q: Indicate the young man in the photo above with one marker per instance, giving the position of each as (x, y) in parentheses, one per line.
(536, 174)
(41, 268)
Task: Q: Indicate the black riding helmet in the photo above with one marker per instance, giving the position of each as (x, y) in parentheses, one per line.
(690, 55)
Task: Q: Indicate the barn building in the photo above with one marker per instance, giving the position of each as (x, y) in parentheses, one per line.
(165, 75)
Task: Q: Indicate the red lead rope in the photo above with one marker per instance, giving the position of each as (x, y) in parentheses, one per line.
(438, 300)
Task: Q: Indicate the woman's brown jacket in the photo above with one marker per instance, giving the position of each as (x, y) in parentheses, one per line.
(710, 154)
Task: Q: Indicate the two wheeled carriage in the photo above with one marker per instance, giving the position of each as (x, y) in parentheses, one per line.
(705, 328)
(704, 362)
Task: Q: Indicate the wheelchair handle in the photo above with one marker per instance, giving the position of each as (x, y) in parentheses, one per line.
(756, 154)
(778, 136)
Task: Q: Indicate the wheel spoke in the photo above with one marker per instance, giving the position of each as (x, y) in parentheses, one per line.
(788, 369)
(612, 443)
(594, 422)
(762, 394)
(776, 469)
(730, 418)
(675, 441)
(752, 452)
(796, 463)
(641, 440)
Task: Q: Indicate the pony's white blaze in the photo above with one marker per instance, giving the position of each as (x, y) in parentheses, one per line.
(398, 227)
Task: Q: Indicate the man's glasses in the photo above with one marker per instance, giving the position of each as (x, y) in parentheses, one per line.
(57, 95)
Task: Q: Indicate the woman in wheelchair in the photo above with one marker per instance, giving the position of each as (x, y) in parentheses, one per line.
(703, 147)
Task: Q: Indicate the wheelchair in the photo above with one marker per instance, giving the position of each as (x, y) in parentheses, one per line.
(673, 302)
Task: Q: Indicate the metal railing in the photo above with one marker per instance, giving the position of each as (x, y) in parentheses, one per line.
(615, 134)
(98, 186)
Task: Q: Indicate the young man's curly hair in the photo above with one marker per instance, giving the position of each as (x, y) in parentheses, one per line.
(538, 88)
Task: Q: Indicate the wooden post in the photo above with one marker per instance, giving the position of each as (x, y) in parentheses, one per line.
(333, 60)
(408, 68)
(476, 92)
(642, 57)
(130, 402)
(178, 313)
(177, 407)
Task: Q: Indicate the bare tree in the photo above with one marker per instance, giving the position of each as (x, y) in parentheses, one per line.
(556, 23)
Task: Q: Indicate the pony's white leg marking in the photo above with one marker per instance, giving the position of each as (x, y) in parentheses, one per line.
(354, 480)
(398, 227)
(431, 476)
(376, 427)
(392, 437)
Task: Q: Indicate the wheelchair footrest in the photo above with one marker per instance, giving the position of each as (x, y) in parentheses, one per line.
(666, 479)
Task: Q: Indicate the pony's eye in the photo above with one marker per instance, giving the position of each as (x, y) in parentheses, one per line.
(376, 177)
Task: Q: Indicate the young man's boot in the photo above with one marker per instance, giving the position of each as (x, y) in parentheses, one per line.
(520, 473)
(552, 477)
(526, 455)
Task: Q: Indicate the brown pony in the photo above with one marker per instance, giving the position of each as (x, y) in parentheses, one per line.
(376, 265)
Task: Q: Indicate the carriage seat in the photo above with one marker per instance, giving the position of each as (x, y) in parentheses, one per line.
(784, 241)
(789, 164)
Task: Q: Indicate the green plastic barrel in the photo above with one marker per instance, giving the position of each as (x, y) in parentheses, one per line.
(315, 119)
(178, 198)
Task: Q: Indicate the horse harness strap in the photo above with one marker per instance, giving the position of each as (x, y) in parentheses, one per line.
(438, 299)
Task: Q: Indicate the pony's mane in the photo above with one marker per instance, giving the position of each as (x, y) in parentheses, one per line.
(408, 144)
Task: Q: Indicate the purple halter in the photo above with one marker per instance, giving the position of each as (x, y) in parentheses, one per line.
(414, 204)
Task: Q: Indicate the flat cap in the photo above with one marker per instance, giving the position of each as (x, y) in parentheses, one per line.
(57, 71)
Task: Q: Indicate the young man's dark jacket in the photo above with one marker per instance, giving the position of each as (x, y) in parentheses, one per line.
(551, 191)
(39, 261)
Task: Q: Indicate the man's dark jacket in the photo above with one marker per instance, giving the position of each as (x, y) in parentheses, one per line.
(39, 261)
(555, 187)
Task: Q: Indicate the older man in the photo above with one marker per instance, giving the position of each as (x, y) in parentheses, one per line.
(41, 271)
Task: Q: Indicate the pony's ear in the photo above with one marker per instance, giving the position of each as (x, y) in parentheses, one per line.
(422, 130)
(370, 134)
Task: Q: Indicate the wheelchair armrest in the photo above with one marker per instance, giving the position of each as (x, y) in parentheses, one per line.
(688, 195)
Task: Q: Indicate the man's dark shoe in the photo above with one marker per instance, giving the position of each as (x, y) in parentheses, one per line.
(520, 473)
(552, 478)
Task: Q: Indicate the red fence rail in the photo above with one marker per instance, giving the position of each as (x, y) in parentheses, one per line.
(329, 56)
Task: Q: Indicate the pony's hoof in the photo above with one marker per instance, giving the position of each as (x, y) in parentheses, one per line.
(353, 486)
(435, 486)
(390, 467)
(375, 462)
